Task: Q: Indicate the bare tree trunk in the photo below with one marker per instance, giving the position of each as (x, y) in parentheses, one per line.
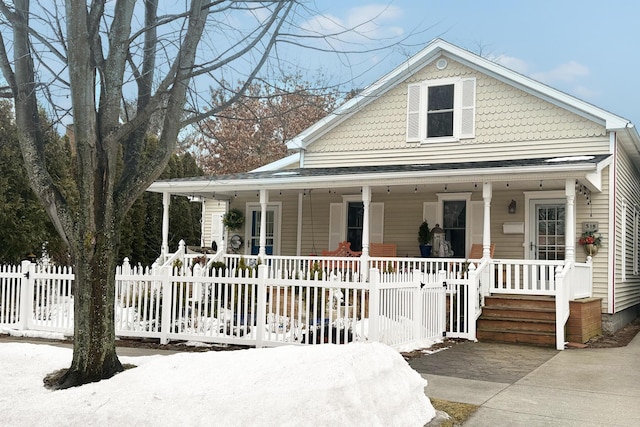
(94, 351)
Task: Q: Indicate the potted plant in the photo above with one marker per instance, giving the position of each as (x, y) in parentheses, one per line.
(233, 219)
(590, 241)
(424, 239)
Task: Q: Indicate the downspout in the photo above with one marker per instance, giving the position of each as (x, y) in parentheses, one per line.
(613, 196)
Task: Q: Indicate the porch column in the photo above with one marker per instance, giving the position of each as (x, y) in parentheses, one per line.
(487, 192)
(366, 201)
(299, 231)
(166, 201)
(364, 258)
(570, 223)
(264, 199)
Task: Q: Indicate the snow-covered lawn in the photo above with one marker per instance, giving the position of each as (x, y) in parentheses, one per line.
(356, 384)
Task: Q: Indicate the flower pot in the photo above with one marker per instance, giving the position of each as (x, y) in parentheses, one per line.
(590, 249)
(425, 251)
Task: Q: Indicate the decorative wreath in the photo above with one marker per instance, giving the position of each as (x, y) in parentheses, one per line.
(233, 219)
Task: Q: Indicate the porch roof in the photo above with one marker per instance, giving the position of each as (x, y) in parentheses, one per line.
(585, 168)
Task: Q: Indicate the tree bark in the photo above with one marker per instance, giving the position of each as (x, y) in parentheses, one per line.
(94, 350)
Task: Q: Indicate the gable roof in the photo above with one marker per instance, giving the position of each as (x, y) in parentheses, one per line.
(430, 53)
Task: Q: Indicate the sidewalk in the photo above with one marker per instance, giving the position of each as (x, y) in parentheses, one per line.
(577, 387)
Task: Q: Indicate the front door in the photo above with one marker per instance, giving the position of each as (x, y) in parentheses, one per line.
(548, 234)
(254, 239)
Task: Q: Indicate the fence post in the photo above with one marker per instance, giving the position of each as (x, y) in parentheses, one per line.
(472, 301)
(562, 303)
(418, 306)
(27, 268)
(374, 304)
(442, 282)
(261, 315)
(167, 303)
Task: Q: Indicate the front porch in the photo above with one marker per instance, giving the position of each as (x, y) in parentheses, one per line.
(469, 285)
(530, 211)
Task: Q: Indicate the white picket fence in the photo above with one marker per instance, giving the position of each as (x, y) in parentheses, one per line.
(254, 306)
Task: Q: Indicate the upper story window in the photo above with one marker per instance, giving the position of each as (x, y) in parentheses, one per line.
(441, 110)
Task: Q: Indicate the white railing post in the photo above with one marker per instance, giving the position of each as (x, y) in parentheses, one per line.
(26, 295)
(261, 315)
(473, 305)
(562, 307)
(374, 304)
(167, 302)
(418, 306)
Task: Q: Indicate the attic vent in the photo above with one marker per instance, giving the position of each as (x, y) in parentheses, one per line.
(441, 64)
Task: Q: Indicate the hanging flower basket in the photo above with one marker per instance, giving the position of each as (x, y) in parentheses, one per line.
(590, 242)
(590, 249)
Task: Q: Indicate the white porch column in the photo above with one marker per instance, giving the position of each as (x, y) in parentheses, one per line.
(364, 258)
(570, 223)
(264, 199)
(166, 201)
(487, 192)
(299, 231)
(366, 202)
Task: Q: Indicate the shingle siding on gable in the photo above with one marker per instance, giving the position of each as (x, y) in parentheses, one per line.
(508, 120)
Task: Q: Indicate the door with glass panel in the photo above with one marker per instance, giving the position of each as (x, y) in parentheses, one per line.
(547, 241)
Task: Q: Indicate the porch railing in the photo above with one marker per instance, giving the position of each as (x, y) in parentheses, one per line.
(248, 306)
(299, 299)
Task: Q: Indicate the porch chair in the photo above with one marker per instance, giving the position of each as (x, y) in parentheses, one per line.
(476, 251)
(386, 250)
(343, 251)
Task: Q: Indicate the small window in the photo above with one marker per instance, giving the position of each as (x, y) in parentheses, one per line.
(440, 111)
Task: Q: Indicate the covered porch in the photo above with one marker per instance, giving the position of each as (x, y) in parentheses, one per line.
(531, 211)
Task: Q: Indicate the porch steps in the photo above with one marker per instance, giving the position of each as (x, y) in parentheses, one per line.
(518, 319)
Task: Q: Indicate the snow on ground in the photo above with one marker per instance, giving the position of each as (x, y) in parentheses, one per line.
(355, 384)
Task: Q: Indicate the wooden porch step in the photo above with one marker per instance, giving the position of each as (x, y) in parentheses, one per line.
(517, 324)
(520, 319)
(497, 312)
(521, 301)
(543, 339)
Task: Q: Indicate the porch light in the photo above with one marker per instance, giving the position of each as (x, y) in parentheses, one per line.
(512, 207)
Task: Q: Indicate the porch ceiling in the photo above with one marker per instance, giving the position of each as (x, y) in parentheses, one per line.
(518, 174)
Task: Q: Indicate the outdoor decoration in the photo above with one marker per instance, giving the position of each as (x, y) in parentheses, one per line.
(424, 239)
(591, 242)
(233, 219)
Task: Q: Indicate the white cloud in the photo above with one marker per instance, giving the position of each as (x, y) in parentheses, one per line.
(511, 62)
(361, 25)
(583, 92)
(564, 73)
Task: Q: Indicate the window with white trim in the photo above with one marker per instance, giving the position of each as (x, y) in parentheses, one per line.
(441, 110)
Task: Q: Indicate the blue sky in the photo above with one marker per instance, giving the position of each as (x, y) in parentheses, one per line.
(586, 48)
